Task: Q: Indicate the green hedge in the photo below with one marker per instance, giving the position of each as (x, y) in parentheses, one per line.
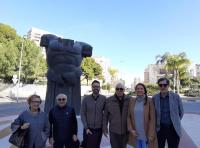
(152, 89)
(192, 93)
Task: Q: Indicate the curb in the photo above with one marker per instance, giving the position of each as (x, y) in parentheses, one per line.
(190, 100)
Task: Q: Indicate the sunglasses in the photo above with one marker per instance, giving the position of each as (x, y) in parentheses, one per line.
(121, 89)
(163, 85)
(61, 99)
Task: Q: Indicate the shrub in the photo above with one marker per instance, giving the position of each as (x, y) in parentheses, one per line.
(192, 93)
(106, 86)
(152, 89)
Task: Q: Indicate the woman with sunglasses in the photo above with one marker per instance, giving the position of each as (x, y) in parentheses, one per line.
(63, 124)
(35, 121)
(141, 120)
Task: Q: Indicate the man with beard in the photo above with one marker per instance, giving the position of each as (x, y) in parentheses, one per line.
(92, 109)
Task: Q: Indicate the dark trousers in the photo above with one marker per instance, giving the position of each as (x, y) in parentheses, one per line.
(92, 140)
(167, 132)
(61, 144)
(118, 141)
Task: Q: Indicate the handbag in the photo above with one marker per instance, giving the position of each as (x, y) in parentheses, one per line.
(75, 144)
(17, 137)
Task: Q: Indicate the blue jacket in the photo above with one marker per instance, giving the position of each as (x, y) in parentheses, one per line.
(38, 131)
(176, 111)
(63, 123)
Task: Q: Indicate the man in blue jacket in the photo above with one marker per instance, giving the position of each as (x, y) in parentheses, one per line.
(169, 112)
(63, 124)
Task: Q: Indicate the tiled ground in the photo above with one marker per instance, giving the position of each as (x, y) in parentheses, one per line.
(190, 139)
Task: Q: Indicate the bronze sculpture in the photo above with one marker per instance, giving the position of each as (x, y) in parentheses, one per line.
(64, 58)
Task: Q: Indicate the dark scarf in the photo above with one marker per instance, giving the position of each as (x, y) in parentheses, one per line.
(95, 98)
(121, 102)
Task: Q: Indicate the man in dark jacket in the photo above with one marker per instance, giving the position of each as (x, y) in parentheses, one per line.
(92, 117)
(116, 111)
(63, 124)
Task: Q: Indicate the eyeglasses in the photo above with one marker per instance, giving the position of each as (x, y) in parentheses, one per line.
(38, 102)
(61, 99)
(163, 85)
(121, 89)
(95, 86)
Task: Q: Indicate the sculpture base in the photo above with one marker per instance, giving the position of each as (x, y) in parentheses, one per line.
(72, 92)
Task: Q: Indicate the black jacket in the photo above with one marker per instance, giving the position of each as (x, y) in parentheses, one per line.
(63, 123)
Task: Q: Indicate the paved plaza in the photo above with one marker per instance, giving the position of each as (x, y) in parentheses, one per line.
(190, 138)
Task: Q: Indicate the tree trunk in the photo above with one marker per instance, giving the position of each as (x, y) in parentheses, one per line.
(177, 81)
(87, 81)
(174, 81)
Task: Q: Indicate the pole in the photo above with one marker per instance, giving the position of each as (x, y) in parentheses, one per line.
(121, 70)
(19, 73)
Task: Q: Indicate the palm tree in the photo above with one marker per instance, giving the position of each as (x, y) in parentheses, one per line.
(177, 64)
(113, 72)
(161, 59)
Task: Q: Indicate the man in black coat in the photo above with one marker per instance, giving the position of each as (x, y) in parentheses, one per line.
(63, 124)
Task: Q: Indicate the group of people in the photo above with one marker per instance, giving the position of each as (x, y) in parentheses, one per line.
(59, 126)
(139, 121)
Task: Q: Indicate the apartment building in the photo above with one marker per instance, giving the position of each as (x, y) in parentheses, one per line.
(153, 72)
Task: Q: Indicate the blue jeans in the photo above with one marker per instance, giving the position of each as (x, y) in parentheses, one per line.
(141, 144)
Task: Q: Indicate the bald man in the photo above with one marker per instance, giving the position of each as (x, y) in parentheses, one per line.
(63, 123)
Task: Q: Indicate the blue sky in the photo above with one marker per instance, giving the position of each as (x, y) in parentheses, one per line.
(129, 32)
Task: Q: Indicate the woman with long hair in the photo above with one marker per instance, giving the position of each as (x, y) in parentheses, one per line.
(141, 120)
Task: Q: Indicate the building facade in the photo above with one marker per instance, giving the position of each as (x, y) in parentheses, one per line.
(197, 70)
(35, 34)
(153, 72)
(194, 70)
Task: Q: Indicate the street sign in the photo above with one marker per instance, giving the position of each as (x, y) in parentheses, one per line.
(14, 79)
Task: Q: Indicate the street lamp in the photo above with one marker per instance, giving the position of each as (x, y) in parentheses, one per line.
(121, 63)
(20, 66)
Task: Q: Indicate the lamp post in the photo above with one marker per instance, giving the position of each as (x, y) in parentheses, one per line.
(121, 63)
(20, 66)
